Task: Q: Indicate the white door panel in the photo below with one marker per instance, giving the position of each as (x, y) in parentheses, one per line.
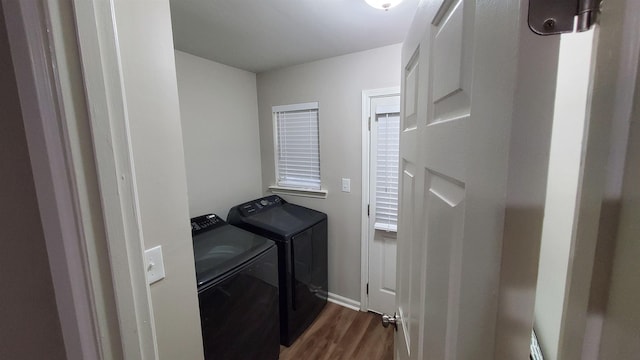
(404, 298)
(382, 272)
(387, 279)
(460, 64)
(447, 53)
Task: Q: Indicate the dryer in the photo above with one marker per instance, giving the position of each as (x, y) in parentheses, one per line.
(300, 234)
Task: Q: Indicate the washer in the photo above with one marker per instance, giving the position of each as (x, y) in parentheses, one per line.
(301, 236)
(237, 274)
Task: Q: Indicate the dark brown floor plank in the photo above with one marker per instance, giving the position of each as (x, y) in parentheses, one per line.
(341, 333)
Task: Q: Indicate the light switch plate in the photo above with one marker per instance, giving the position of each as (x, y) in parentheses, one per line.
(155, 264)
(346, 185)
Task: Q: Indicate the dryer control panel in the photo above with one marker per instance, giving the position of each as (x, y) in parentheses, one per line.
(205, 222)
(259, 205)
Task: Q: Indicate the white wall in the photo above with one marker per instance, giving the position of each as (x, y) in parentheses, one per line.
(337, 85)
(219, 112)
(562, 188)
(151, 93)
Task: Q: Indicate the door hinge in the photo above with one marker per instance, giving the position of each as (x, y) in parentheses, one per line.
(368, 210)
(369, 123)
(367, 288)
(550, 17)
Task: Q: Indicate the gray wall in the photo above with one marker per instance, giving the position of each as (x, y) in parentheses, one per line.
(622, 318)
(150, 85)
(29, 325)
(219, 111)
(337, 84)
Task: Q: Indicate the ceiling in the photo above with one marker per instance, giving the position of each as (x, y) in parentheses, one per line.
(261, 35)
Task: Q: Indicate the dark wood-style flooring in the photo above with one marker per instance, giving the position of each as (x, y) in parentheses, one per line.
(341, 333)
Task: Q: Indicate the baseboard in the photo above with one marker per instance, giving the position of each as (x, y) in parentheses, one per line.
(343, 301)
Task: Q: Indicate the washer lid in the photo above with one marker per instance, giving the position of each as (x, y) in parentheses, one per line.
(224, 248)
(285, 221)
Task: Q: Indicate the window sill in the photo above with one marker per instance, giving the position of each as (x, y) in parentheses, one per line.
(318, 194)
(385, 227)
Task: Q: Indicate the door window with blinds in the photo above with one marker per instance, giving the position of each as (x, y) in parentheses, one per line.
(386, 139)
(297, 146)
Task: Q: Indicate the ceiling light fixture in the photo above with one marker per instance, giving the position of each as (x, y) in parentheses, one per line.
(383, 4)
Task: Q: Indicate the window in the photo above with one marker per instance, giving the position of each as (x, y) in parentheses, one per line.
(297, 146)
(386, 163)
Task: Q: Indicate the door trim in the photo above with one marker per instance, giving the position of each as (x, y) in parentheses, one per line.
(108, 115)
(31, 30)
(367, 95)
(38, 81)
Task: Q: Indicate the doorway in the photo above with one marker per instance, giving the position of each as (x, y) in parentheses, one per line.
(380, 149)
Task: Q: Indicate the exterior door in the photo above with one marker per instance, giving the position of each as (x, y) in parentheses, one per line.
(383, 200)
(459, 79)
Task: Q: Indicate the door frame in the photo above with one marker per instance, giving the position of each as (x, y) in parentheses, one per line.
(99, 53)
(367, 96)
(40, 68)
(53, 174)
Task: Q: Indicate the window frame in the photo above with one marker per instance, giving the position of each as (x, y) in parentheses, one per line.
(375, 169)
(294, 190)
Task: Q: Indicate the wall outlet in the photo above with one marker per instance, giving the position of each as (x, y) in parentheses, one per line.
(154, 264)
(346, 185)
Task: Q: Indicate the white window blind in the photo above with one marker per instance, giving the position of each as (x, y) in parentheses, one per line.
(387, 159)
(297, 146)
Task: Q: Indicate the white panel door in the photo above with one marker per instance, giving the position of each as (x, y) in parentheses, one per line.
(460, 66)
(383, 173)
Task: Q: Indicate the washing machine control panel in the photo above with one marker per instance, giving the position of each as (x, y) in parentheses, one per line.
(259, 205)
(205, 222)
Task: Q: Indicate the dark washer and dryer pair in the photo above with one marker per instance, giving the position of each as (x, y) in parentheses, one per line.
(252, 283)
